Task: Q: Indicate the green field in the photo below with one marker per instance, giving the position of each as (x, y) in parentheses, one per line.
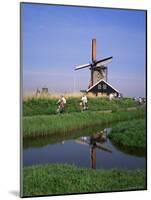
(66, 179)
(44, 125)
(48, 106)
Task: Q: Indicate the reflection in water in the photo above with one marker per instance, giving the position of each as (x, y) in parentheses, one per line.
(58, 138)
(135, 151)
(93, 157)
(95, 141)
(86, 148)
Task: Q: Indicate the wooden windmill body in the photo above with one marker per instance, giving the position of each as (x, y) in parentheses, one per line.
(99, 74)
(98, 69)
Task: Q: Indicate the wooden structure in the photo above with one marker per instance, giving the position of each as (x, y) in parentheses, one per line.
(102, 88)
(98, 82)
(44, 90)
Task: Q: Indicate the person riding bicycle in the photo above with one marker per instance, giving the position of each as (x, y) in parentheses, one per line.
(61, 104)
(84, 102)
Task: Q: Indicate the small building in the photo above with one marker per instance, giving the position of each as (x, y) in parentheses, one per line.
(102, 88)
(44, 90)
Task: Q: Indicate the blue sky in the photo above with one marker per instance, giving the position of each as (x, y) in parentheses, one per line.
(57, 38)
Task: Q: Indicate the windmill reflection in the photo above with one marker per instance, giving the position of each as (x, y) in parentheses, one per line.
(96, 141)
(93, 157)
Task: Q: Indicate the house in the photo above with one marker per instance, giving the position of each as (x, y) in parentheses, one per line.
(102, 88)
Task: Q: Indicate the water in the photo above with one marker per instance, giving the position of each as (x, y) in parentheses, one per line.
(88, 151)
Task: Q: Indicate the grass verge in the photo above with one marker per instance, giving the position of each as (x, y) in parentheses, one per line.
(48, 125)
(130, 134)
(46, 106)
(66, 179)
(58, 138)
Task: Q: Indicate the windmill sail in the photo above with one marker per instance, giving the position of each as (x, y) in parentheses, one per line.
(82, 66)
(103, 62)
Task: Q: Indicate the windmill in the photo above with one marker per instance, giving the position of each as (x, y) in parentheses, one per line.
(98, 68)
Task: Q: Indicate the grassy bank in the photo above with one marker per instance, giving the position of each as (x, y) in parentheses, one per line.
(58, 138)
(47, 125)
(130, 134)
(47, 106)
(66, 179)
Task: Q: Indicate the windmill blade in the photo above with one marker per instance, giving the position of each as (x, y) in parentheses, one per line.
(102, 147)
(103, 62)
(82, 66)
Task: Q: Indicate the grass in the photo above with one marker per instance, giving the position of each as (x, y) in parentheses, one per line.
(58, 138)
(47, 106)
(45, 125)
(66, 179)
(40, 120)
(130, 134)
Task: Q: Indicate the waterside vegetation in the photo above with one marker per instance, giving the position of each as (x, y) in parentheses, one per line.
(130, 133)
(66, 179)
(44, 125)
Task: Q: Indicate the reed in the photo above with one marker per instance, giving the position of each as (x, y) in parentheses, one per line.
(44, 125)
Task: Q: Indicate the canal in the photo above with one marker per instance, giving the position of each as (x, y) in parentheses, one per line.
(87, 148)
